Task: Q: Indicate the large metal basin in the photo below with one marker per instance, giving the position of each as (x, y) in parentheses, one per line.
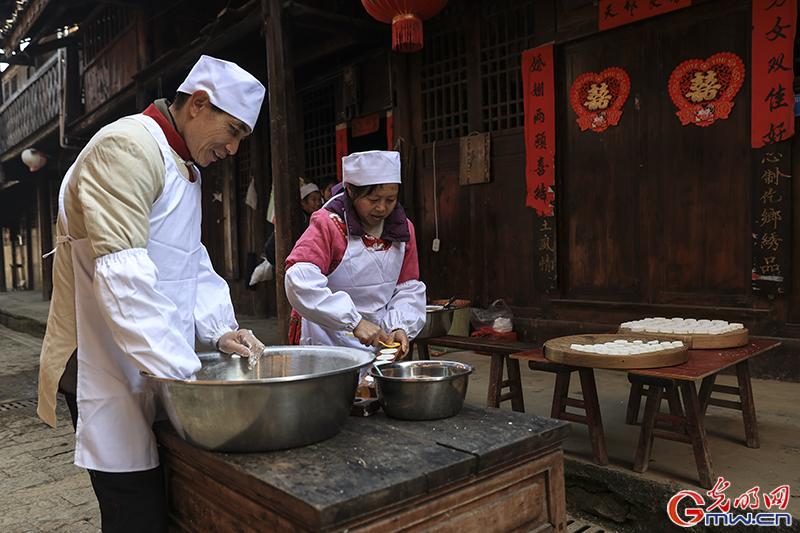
(422, 390)
(294, 396)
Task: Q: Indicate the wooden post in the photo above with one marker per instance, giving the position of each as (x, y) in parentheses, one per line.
(45, 236)
(285, 176)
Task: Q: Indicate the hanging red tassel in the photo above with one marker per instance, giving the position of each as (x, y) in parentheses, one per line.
(406, 33)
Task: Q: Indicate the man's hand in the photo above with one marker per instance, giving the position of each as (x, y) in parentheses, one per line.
(242, 342)
(369, 334)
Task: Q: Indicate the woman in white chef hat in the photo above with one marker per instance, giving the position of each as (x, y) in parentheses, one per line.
(353, 276)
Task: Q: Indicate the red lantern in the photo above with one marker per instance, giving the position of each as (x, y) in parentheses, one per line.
(406, 18)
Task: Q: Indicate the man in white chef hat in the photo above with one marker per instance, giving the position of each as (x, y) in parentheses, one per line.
(133, 284)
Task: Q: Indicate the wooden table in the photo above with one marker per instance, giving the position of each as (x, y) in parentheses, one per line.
(688, 427)
(483, 470)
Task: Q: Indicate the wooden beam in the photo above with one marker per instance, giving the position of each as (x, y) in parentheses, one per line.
(285, 174)
(332, 23)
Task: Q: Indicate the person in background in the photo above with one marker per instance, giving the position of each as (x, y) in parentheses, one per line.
(310, 201)
(133, 285)
(326, 185)
(353, 276)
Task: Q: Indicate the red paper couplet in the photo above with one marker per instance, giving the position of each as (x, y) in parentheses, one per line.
(598, 98)
(703, 89)
(540, 127)
(365, 125)
(772, 77)
(341, 147)
(615, 13)
(389, 130)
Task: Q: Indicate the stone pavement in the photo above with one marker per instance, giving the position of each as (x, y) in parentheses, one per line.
(44, 492)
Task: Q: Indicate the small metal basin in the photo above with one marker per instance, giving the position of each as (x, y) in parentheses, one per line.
(438, 321)
(294, 396)
(422, 390)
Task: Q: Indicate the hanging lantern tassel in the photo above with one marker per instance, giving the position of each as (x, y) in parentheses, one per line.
(407, 33)
(406, 19)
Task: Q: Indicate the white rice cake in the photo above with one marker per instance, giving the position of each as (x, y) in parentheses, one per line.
(681, 326)
(625, 347)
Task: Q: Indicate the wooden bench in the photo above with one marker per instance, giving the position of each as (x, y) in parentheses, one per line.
(499, 351)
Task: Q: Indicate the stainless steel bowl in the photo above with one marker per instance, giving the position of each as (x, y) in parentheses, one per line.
(294, 396)
(422, 390)
(438, 321)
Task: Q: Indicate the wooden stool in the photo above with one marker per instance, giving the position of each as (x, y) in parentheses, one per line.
(499, 351)
(589, 404)
(693, 433)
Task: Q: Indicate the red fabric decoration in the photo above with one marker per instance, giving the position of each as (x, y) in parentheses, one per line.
(598, 98)
(538, 85)
(406, 19)
(772, 75)
(489, 333)
(703, 90)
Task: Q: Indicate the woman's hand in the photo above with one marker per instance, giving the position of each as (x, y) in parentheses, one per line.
(399, 336)
(369, 334)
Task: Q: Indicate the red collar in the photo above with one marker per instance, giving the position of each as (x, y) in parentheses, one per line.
(174, 138)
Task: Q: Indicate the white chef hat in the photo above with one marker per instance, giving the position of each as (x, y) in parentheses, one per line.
(229, 87)
(371, 168)
(307, 189)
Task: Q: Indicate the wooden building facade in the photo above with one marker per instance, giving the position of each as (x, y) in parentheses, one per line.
(650, 217)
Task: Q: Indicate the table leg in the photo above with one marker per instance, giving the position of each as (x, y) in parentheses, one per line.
(515, 384)
(697, 433)
(424, 352)
(645, 447)
(634, 402)
(593, 418)
(748, 407)
(560, 393)
(675, 409)
(495, 380)
(706, 388)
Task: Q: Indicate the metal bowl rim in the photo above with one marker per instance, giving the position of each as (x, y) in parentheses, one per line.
(283, 379)
(468, 369)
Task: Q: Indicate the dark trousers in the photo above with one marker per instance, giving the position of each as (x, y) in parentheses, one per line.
(130, 502)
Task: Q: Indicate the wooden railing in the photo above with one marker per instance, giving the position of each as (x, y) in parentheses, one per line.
(34, 106)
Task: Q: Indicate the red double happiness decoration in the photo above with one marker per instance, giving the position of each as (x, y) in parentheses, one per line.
(703, 89)
(772, 104)
(598, 98)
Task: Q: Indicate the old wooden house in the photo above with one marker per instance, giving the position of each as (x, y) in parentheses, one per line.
(646, 215)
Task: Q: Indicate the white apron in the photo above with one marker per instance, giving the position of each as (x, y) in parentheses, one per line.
(116, 405)
(370, 278)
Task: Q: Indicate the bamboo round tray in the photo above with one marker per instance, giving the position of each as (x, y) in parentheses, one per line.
(559, 351)
(701, 341)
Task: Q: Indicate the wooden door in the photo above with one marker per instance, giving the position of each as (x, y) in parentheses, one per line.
(652, 211)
